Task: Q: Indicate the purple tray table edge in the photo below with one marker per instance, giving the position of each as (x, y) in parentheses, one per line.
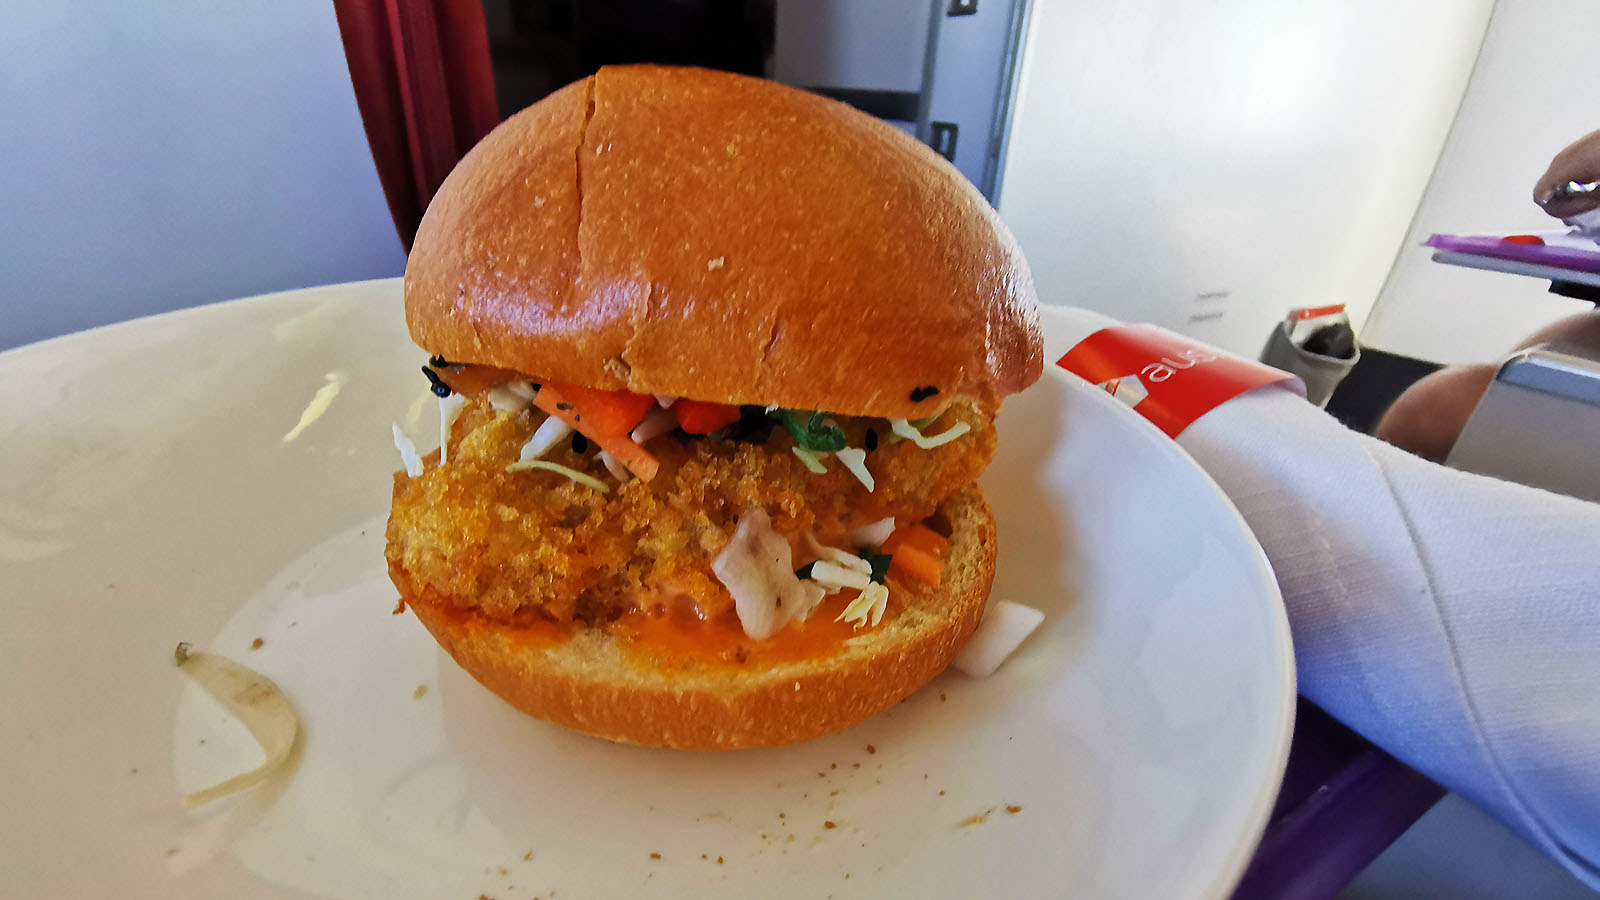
(1342, 803)
(1498, 248)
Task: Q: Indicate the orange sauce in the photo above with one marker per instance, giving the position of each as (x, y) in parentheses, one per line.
(678, 640)
(538, 633)
(534, 632)
(674, 640)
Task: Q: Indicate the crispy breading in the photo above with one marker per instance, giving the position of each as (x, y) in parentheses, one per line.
(535, 543)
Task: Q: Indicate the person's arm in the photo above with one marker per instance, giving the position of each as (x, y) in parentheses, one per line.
(1452, 619)
(1428, 416)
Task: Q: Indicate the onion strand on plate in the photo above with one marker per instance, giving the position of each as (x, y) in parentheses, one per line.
(256, 702)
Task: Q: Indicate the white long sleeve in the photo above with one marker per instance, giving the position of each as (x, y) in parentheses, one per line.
(1452, 619)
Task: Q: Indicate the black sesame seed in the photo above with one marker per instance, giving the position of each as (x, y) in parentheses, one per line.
(871, 440)
(580, 444)
(435, 384)
(564, 406)
(922, 393)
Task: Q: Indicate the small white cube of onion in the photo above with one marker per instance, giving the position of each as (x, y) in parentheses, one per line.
(1003, 629)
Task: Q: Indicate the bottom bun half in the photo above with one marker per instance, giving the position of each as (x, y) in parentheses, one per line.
(591, 681)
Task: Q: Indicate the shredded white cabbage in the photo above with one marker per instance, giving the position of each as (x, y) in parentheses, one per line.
(855, 459)
(918, 424)
(408, 453)
(655, 423)
(449, 410)
(908, 431)
(549, 433)
(873, 535)
(812, 459)
(757, 569)
(838, 570)
(835, 555)
(831, 574)
(511, 397)
(320, 401)
(582, 478)
(868, 607)
(614, 466)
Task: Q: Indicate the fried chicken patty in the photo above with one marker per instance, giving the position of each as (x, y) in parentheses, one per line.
(533, 543)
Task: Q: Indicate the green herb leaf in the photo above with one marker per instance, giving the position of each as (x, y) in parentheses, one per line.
(879, 563)
(805, 570)
(814, 434)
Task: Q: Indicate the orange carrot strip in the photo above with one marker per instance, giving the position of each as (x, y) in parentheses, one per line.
(603, 414)
(909, 560)
(638, 460)
(918, 536)
(551, 400)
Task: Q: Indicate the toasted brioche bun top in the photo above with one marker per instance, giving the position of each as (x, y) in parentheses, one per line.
(723, 238)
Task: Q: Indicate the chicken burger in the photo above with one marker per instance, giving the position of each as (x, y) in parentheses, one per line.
(717, 363)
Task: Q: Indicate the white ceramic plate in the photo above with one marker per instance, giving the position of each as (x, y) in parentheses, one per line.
(1131, 749)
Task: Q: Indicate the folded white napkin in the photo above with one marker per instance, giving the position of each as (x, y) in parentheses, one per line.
(1452, 619)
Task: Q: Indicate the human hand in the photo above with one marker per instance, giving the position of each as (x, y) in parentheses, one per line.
(1578, 164)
